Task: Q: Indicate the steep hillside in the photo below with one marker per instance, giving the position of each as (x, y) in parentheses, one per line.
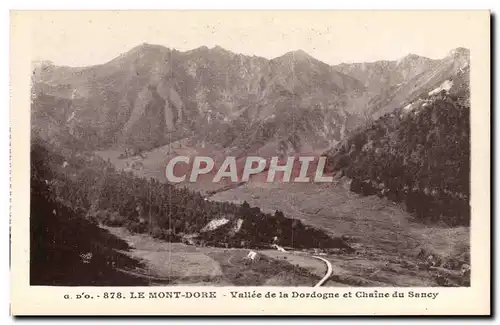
(396, 129)
(424, 82)
(419, 154)
(392, 84)
(116, 198)
(153, 95)
(68, 248)
(65, 247)
(238, 105)
(382, 75)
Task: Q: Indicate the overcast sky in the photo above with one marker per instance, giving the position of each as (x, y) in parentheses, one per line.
(85, 38)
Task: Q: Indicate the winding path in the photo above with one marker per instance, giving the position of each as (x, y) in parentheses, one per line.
(328, 271)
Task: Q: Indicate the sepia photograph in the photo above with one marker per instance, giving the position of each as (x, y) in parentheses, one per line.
(251, 149)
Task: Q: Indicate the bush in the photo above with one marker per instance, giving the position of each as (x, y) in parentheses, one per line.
(156, 232)
(137, 227)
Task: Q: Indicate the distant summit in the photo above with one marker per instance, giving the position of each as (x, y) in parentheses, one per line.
(412, 59)
(298, 54)
(459, 51)
(151, 95)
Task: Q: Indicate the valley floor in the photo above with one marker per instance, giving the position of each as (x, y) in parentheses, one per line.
(376, 225)
(386, 238)
(164, 263)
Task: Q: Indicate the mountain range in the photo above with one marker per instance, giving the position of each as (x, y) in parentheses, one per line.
(101, 137)
(152, 95)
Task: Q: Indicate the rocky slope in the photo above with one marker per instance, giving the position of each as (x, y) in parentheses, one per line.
(152, 94)
(428, 80)
(419, 154)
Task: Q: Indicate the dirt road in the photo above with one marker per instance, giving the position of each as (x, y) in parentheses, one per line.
(328, 272)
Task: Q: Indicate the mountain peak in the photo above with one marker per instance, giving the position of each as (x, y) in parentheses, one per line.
(299, 54)
(202, 48)
(143, 48)
(139, 51)
(147, 47)
(206, 50)
(220, 49)
(459, 51)
(410, 58)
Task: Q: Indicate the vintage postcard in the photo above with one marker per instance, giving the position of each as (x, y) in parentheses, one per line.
(250, 162)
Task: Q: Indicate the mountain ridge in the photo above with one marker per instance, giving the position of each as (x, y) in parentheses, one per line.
(418, 154)
(150, 93)
(458, 49)
(194, 87)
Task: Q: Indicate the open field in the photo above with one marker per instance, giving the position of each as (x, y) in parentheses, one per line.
(180, 264)
(374, 223)
(386, 238)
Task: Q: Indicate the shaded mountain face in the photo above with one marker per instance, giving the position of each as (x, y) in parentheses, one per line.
(152, 95)
(418, 76)
(418, 154)
(381, 75)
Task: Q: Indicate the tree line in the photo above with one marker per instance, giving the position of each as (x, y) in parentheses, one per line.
(96, 190)
(420, 157)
